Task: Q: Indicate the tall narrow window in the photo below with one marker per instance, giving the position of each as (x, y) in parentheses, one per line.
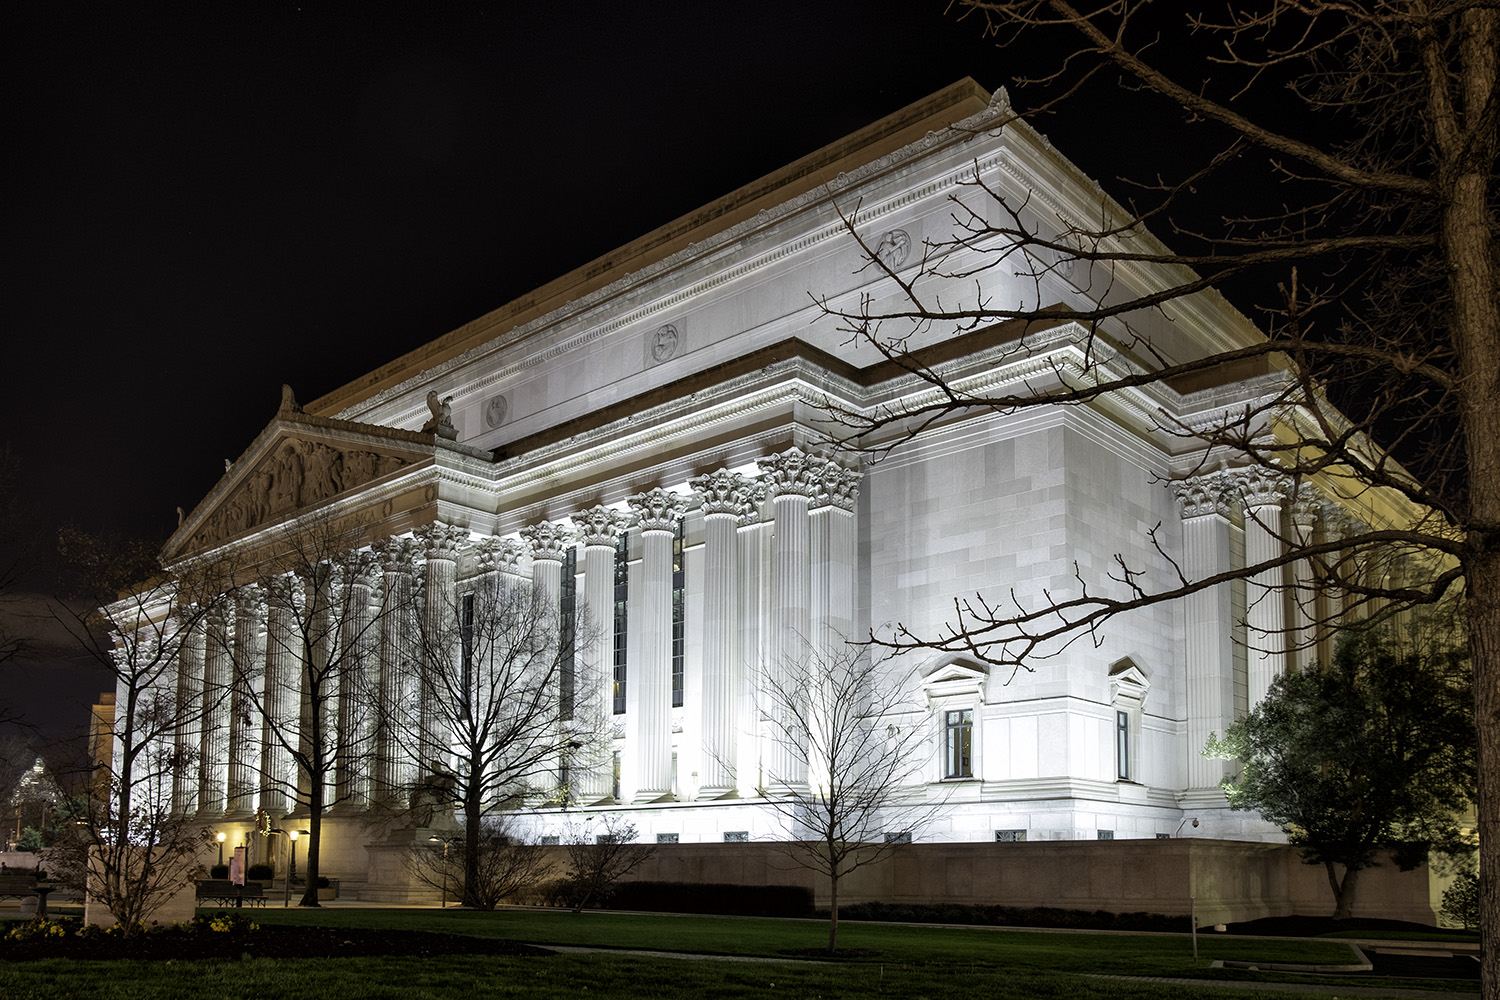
(614, 788)
(622, 617)
(1122, 745)
(959, 729)
(566, 634)
(679, 617)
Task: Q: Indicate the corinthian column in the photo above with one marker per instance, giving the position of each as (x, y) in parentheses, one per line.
(190, 652)
(1265, 593)
(649, 694)
(725, 497)
(549, 543)
(394, 720)
(1304, 516)
(440, 635)
(278, 683)
(213, 765)
(1208, 620)
(249, 657)
(751, 542)
(599, 530)
(792, 479)
(359, 652)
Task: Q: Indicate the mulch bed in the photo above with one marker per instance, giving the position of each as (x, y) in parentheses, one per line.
(266, 942)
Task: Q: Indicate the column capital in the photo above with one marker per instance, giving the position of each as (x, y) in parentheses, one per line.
(1260, 487)
(548, 540)
(658, 509)
(725, 492)
(600, 526)
(1306, 507)
(250, 601)
(396, 554)
(441, 540)
(362, 568)
(792, 473)
(1198, 496)
(840, 487)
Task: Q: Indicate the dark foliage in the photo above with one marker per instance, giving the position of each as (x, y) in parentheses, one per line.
(711, 897)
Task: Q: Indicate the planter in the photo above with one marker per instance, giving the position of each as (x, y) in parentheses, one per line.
(331, 892)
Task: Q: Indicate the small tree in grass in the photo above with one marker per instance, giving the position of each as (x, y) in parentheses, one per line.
(843, 724)
(597, 859)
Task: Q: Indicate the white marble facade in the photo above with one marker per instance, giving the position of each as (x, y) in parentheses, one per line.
(686, 380)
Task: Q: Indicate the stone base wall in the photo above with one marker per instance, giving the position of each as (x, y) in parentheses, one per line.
(1219, 881)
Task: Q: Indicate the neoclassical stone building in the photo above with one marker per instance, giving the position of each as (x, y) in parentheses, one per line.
(646, 440)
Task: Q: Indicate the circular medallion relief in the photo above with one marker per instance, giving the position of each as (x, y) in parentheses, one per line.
(894, 247)
(495, 410)
(664, 343)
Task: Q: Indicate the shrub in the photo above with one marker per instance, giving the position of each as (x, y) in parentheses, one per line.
(710, 897)
(219, 871)
(260, 872)
(1461, 899)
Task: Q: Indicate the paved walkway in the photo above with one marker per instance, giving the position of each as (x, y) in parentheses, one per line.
(1331, 989)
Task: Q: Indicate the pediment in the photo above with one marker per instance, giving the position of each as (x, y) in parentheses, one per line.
(1128, 682)
(298, 463)
(954, 679)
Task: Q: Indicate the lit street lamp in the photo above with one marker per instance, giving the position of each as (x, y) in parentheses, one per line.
(291, 871)
(445, 841)
(221, 836)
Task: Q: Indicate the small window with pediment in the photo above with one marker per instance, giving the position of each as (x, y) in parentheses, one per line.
(1128, 687)
(954, 690)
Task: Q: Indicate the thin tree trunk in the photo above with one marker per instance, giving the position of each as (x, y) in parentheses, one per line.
(833, 912)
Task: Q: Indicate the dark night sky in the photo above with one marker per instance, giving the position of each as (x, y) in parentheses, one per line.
(208, 200)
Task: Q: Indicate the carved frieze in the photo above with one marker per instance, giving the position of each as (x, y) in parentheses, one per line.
(298, 473)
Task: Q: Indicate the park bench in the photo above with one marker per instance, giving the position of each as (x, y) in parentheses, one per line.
(222, 892)
(23, 885)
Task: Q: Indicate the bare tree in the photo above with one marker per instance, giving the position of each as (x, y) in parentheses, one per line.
(1357, 143)
(502, 695)
(597, 859)
(859, 751)
(505, 865)
(126, 846)
(313, 690)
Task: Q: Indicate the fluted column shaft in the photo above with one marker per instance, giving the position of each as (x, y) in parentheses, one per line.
(1305, 597)
(278, 687)
(440, 627)
(249, 656)
(549, 543)
(213, 765)
(751, 541)
(725, 496)
(1208, 620)
(394, 719)
(1265, 592)
(649, 693)
(190, 715)
(792, 479)
(598, 530)
(360, 651)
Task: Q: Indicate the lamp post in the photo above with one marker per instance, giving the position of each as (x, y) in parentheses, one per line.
(221, 836)
(445, 841)
(291, 871)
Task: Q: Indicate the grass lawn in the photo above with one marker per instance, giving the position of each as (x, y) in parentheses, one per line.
(886, 960)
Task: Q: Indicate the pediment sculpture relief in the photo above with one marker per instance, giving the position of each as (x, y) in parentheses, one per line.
(296, 474)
